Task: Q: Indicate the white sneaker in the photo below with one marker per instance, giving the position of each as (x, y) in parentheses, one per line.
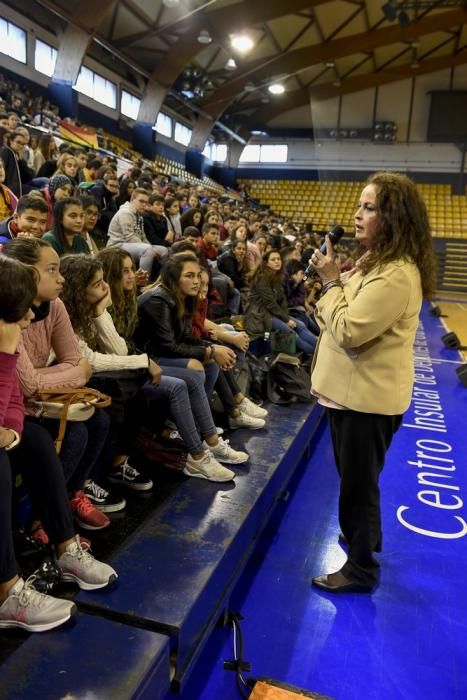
(252, 409)
(33, 611)
(224, 453)
(245, 420)
(80, 567)
(207, 468)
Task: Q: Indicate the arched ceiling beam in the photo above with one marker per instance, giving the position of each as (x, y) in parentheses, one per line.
(300, 98)
(301, 59)
(235, 17)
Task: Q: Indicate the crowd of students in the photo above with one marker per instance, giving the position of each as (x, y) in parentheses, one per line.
(137, 274)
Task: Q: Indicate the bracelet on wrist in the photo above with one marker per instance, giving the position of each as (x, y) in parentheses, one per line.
(329, 285)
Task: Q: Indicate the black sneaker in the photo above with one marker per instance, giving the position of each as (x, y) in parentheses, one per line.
(103, 500)
(126, 475)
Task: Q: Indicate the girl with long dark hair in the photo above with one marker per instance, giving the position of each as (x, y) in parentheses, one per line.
(266, 308)
(164, 331)
(65, 236)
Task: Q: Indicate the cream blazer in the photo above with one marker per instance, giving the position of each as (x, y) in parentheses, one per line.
(364, 357)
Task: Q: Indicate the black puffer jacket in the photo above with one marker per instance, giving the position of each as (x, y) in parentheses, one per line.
(161, 333)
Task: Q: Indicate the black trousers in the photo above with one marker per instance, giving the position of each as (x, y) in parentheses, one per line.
(360, 442)
(43, 475)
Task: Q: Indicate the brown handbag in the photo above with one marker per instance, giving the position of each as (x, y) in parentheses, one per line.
(68, 405)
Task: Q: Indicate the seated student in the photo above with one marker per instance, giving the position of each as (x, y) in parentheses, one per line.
(233, 263)
(65, 236)
(155, 224)
(172, 214)
(164, 332)
(107, 350)
(29, 448)
(126, 231)
(93, 236)
(191, 234)
(17, 172)
(208, 251)
(29, 219)
(59, 187)
(192, 217)
(8, 198)
(242, 413)
(67, 165)
(104, 192)
(296, 293)
(266, 308)
(51, 334)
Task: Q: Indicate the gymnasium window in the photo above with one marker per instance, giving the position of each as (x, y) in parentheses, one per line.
(45, 57)
(250, 154)
(276, 153)
(97, 87)
(129, 105)
(163, 125)
(266, 153)
(182, 134)
(12, 40)
(216, 151)
(219, 152)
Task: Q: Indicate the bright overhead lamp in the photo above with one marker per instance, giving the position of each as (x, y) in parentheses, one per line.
(230, 65)
(276, 89)
(241, 43)
(171, 3)
(204, 37)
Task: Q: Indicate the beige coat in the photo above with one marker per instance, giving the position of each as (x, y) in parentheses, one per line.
(364, 357)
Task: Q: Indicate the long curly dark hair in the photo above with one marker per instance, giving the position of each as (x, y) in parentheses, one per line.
(402, 229)
(79, 271)
(124, 309)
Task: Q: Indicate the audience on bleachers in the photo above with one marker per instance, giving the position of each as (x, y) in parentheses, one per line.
(83, 231)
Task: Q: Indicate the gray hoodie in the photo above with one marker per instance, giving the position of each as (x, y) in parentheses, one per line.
(127, 226)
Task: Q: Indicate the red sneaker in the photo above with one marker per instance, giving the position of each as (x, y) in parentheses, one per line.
(39, 534)
(86, 515)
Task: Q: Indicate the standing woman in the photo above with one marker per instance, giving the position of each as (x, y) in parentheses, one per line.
(65, 236)
(363, 368)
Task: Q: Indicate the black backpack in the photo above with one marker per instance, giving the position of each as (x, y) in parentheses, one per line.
(288, 381)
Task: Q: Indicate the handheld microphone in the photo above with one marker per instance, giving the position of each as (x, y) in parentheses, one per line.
(335, 234)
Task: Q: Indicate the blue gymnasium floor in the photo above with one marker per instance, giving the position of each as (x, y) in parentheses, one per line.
(408, 640)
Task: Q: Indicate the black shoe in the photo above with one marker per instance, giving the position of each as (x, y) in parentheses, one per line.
(126, 475)
(343, 540)
(103, 500)
(338, 583)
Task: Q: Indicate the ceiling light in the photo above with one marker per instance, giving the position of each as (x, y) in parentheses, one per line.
(330, 64)
(241, 43)
(171, 3)
(231, 65)
(250, 87)
(204, 37)
(276, 89)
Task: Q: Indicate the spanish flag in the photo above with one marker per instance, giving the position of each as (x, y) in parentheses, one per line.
(80, 136)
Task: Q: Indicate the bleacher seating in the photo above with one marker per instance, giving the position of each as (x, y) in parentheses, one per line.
(177, 572)
(327, 203)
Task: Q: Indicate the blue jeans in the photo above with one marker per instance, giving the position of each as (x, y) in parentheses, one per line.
(210, 374)
(187, 402)
(306, 341)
